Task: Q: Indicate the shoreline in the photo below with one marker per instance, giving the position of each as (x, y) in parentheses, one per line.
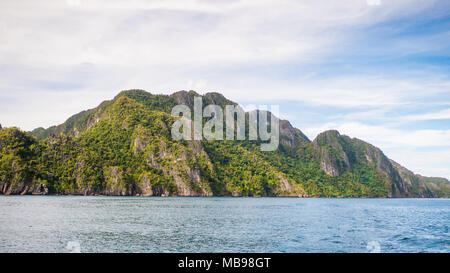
(229, 196)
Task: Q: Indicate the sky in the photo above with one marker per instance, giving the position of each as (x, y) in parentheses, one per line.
(376, 70)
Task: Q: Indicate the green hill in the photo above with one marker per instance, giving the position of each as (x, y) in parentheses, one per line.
(124, 147)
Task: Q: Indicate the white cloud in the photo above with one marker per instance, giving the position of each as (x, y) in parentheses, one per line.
(347, 91)
(199, 33)
(373, 2)
(443, 114)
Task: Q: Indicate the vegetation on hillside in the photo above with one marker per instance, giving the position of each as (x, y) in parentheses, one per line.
(124, 147)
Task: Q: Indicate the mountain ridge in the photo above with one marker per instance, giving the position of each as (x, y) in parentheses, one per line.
(123, 147)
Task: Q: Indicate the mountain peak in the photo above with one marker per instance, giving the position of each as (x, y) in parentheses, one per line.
(329, 137)
(185, 97)
(129, 92)
(329, 133)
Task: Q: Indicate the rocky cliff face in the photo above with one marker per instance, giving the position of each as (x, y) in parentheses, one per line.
(334, 159)
(290, 136)
(23, 188)
(339, 154)
(422, 186)
(173, 163)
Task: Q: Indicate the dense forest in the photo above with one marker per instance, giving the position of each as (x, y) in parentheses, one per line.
(124, 147)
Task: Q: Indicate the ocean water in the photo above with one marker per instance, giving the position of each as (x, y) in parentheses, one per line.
(221, 224)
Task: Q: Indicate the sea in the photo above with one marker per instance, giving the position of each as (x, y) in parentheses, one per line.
(222, 224)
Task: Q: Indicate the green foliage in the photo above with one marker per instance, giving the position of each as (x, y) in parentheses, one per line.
(19, 154)
(241, 171)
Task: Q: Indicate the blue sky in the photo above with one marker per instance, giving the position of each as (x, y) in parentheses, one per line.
(377, 70)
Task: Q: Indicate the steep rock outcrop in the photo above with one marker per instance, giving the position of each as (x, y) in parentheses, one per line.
(22, 188)
(338, 154)
(291, 136)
